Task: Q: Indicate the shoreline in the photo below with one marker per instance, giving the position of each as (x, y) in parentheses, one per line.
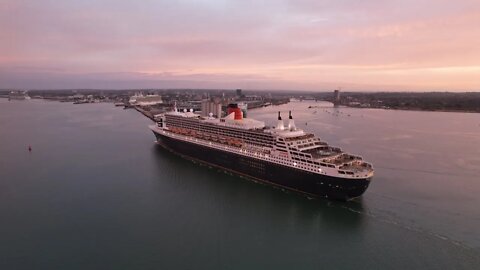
(413, 109)
(344, 106)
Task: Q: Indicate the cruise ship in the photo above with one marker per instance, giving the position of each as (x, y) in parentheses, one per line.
(283, 156)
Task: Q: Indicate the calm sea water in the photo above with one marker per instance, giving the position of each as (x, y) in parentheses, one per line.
(97, 193)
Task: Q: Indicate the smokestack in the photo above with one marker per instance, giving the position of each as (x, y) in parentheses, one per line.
(291, 123)
(280, 125)
(233, 108)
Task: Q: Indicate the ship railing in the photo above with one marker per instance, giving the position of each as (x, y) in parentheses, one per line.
(256, 152)
(332, 158)
(357, 167)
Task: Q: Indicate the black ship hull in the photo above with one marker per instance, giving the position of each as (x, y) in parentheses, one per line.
(301, 181)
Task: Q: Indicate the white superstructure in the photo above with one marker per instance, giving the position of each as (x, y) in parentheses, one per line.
(148, 100)
(285, 145)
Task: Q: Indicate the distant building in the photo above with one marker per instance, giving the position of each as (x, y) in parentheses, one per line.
(336, 97)
(215, 108)
(78, 96)
(238, 92)
(252, 98)
(354, 104)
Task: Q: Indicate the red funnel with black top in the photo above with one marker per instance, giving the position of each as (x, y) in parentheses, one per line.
(234, 108)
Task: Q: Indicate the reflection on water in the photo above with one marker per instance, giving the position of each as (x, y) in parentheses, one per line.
(206, 181)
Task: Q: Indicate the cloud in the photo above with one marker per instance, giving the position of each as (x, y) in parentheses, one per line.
(420, 45)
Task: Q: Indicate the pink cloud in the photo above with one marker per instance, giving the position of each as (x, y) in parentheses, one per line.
(413, 44)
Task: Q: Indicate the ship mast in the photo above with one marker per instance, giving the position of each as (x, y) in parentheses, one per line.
(291, 123)
(280, 125)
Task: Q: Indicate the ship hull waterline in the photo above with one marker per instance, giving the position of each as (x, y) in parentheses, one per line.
(303, 182)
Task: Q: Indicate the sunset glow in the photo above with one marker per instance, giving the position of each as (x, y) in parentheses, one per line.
(420, 45)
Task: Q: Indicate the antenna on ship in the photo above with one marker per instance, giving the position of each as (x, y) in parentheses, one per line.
(280, 125)
(291, 123)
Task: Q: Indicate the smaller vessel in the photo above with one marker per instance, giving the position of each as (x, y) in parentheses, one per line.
(18, 95)
(82, 101)
(139, 99)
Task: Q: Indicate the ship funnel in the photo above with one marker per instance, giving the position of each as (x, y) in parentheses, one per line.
(291, 123)
(237, 112)
(280, 125)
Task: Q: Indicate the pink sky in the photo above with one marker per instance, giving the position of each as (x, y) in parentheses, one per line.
(310, 45)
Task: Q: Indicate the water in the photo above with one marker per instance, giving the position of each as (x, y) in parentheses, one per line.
(96, 193)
